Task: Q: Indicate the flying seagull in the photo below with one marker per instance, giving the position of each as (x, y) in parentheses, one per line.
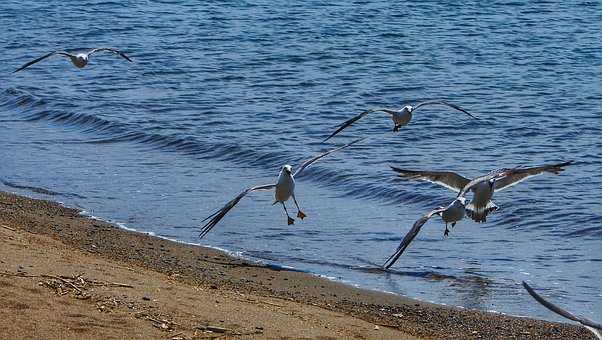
(400, 117)
(284, 189)
(481, 204)
(80, 60)
(451, 214)
(594, 327)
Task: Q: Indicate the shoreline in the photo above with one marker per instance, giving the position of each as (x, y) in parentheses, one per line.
(348, 311)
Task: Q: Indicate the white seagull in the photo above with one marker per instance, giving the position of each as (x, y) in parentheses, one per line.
(80, 60)
(284, 189)
(451, 214)
(594, 327)
(481, 204)
(400, 117)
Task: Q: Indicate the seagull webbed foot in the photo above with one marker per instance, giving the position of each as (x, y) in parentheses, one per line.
(396, 128)
(301, 214)
(446, 232)
(291, 221)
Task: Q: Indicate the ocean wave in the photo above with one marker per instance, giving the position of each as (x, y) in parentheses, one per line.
(104, 131)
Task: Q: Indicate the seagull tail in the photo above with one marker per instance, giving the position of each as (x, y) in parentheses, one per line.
(479, 214)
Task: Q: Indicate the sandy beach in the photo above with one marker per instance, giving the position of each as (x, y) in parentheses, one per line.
(65, 276)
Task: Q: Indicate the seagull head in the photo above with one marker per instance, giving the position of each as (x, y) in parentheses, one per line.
(407, 109)
(80, 60)
(287, 169)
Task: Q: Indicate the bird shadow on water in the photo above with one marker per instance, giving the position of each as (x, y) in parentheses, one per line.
(247, 264)
(375, 268)
(471, 290)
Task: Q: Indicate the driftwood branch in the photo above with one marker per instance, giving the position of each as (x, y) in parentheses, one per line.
(7, 227)
(69, 280)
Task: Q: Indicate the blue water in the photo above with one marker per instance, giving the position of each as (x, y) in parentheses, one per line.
(221, 95)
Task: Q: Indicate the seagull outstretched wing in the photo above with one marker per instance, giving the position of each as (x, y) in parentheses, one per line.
(42, 58)
(356, 118)
(218, 215)
(448, 179)
(312, 160)
(521, 174)
(410, 237)
(112, 50)
(595, 327)
(443, 102)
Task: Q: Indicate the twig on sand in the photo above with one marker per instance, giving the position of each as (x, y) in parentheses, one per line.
(65, 281)
(69, 280)
(214, 329)
(45, 276)
(109, 284)
(7, 227)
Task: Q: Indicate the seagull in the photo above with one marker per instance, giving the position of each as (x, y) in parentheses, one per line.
(594, 327)
(400, 117)
(481, 204)
(80, 60)
(284, 189)
(451, 214)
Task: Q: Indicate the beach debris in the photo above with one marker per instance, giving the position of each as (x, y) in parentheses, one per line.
(163, 326)
(214, 329)
(7, 227)
(376, 327)
(161, 323)
(62, 285)
(107, 304)
(178, 336)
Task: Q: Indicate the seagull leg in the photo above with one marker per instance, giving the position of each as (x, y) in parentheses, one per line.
(300, 213)
(453, 224)
(290, 220)
(446, 232)
(396, 128)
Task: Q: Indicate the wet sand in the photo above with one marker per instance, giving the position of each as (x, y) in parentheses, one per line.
(65, 276)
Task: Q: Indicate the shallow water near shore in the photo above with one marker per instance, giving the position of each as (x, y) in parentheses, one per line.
(220, 96)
